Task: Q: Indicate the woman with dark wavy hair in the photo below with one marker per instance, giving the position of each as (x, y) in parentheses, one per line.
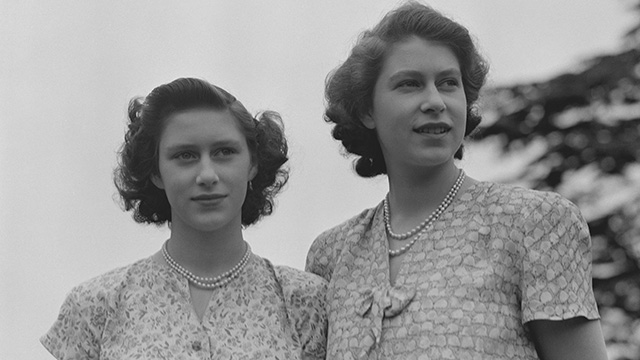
(445, 267)
(193, 157)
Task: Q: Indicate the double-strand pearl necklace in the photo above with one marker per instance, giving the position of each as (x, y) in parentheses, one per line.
(426, 224)
(207, 282)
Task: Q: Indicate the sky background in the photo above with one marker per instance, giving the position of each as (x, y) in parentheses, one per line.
(69, 68)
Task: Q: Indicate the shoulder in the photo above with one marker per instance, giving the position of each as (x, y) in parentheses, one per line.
(352, 224)
(498, 197)
(528, 218)
(103, 293)
(537, 221)
(326, 248)
(81, 322)
(114, 280)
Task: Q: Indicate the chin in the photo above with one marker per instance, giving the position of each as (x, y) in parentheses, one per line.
(209, 225)
(437, 157)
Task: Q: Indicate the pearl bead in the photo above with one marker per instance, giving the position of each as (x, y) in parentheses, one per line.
(206, 282)
(426, 224)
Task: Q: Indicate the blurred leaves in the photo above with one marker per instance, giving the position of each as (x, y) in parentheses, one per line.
(579, 135)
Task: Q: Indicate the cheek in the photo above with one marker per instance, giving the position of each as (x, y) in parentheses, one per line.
(389, 138)
(459, 111)
(174, 181)
(461, 105)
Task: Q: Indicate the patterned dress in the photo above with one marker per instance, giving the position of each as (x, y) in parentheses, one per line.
(498, 257)
(143, 311)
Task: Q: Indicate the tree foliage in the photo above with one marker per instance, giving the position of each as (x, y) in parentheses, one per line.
(580, 132)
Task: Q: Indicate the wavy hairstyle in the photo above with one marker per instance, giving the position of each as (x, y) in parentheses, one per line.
(138, 156)
(349, 88)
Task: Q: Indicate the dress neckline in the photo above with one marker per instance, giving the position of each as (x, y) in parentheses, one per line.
(380, 237)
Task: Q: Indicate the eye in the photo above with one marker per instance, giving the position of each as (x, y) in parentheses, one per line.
(409, 83)
(185, 155)
(227, 151)
(450, 84)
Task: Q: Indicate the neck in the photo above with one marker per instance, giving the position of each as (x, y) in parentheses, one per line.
(413, 197)
(206, 253)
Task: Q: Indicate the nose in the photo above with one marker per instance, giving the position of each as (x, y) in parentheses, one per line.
(432, 102)
(207, 174)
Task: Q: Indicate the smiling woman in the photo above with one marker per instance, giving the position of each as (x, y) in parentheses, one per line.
(418, 76)
(195, 158)
(445, 266)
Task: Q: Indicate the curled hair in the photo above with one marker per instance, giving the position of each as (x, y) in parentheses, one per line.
(270, 154)
(349, 88)
(138, 156)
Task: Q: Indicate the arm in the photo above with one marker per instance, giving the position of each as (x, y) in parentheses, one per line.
(304, 296)
(571, 339)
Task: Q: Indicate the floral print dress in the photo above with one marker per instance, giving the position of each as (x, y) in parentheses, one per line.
(497, 258)
(143, 311)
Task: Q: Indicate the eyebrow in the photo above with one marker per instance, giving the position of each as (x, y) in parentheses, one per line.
(415, 73)
(451, 71)
(404, 73)
(215, 144)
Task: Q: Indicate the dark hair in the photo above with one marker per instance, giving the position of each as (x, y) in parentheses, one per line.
(349, 88)
(138, 157)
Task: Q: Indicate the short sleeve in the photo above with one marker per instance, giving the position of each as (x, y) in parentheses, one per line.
(305, 297)
(76, 332)
(556, 268)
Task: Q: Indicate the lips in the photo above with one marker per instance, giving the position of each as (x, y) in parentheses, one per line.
(208, 197)
(433, 129)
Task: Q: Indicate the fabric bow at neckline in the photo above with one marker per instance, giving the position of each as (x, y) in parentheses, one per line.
(375, 304)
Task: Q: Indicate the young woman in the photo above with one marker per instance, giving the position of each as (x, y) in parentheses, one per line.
(445, 267)
(193, 157)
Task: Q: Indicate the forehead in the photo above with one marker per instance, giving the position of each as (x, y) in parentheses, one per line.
(418, 53)
(201, 124)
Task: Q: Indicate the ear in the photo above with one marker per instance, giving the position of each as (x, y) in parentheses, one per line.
(368, 122)
(157, 181)
(253, 171)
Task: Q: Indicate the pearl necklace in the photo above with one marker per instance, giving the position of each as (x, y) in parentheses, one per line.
(206, 282)
(426, 224)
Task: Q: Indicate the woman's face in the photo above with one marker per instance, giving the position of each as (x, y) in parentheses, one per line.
(204, 167)
(419, 106)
